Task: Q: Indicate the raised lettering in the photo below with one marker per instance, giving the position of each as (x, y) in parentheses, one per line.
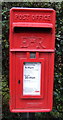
(36, 17)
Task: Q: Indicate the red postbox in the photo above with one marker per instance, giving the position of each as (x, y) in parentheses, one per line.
(32, 40)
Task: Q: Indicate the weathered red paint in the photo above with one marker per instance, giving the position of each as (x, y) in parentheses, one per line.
(31, 30)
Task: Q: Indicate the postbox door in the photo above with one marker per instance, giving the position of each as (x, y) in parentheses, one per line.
(29, 78)
(24, 97)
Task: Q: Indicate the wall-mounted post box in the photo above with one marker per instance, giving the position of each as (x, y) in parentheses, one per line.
(32, 39)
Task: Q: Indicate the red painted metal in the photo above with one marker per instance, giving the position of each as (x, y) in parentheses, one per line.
(31, 30)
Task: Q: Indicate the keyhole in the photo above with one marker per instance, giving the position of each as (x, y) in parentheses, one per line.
(18, 81)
